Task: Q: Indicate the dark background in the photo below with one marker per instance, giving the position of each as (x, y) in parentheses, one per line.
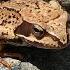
(44, 59)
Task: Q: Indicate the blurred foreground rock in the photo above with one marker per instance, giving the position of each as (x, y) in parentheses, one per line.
(16, 65)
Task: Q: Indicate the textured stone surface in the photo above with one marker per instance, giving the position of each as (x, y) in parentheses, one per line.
(28, 66)
(17, 65)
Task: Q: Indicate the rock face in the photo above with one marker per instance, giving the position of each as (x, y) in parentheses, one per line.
(16, 65)
(28, 66)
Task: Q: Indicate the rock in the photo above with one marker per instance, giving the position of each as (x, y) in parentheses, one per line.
(16, 65)
(28, 66)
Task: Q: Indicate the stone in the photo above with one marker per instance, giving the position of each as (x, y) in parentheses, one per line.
(16, 65)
